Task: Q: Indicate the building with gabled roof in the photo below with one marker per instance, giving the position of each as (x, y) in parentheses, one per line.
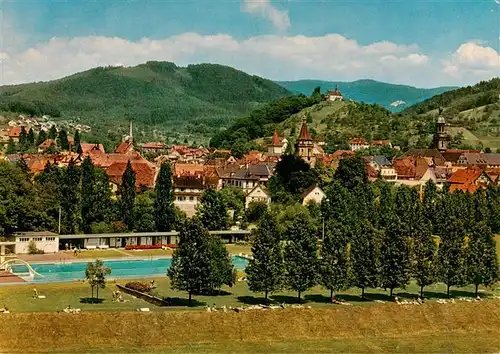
(313, 194)
(86, 148)
(334, 95)
(276, 145)
(47, 144)
(469, 179)
(125, 147)
(304, 146)
(259, 193)
(145, 174)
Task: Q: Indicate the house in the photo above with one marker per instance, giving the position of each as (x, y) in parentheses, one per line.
(469, 179)
(258, 194)
(145, 174)
(47, 144)
(44, 241)
(413, 171)
(85, 148)
(334, 95)
(383, 166)
(276, 146)
(381, 143)
(356, 144)
(14, 133)
(313, 194)
(125, 147)
(483, 160)
(153, 147)
(247, 177)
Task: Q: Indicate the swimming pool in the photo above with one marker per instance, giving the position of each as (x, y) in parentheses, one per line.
(71, 271)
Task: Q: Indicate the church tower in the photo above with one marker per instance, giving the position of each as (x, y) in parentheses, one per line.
(441, 137)
(304, 145)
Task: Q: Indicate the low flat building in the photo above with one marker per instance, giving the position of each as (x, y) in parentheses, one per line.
(45, 241)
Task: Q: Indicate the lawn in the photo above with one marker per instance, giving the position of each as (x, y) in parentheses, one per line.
(459, 327)
(149, 253)
(237, 248)
(101, 254)
(497, 239)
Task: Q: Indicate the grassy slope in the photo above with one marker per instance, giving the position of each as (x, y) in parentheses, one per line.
(369, 91)
(155, 93)
(460, 327)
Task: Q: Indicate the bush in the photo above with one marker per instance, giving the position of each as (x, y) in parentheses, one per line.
(32, 248)
(143, 247)
(138, 286)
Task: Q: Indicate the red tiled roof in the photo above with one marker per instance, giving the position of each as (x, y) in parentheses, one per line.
(86, 148)
(471, 188)
(154, 145)
(361, 141)
(14, 132)
(465, 176)
(106, 160)
(144, 173)
(123, 148)
(343, 153)
(304, 132)
(47, 144)
(404, 167)
(381, 142)
(276, 141)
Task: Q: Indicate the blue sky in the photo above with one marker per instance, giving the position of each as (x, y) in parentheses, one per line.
(452, 35)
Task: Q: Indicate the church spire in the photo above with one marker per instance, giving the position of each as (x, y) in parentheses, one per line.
(130, 133)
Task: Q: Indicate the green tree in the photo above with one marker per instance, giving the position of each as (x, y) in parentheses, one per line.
(351, 172)
(96, 273)
(365, 255)
(76, 140)
(71, 199)
(265, 271)
(338, 202)
(334, 263)
(127, 194)
(11, 147)
(221, 268)
(52, 132)
(482, 260)
(430, 201)
(301, 261)
(395, 257)
(42, 136)
(212, 211)
(190, 267)
(255, 211)
(30, 139)
(144, 211)
(234, 199)
(62, 140)
(23, 166)
(164, 201)
(451, 255)
(293, 175)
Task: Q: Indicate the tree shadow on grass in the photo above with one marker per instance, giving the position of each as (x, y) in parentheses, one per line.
(184, 302)
(287, 299)
(214, 293)
(90, 300)
(253, 300)
(453, 294)
(322, 299)
(348, 297)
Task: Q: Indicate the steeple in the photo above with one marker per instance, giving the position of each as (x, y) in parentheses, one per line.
(304, 132)
(130, 133)
(441, 137)
(304, 146)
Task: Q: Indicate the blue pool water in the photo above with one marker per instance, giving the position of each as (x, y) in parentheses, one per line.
(60, 272)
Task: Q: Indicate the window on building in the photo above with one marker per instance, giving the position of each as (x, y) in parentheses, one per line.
(24, 239)
(37, 239)
(50, 238)
(191, 199)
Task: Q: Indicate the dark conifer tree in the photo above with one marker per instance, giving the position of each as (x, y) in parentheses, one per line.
(52, 133)
(23, 166)
(351, 172)
(62, 140)
(42, 136)
(265, 271)
(31, 138)
(11, 147)
(164, 202)
(127, 199)
(430, 201)
(334, 263)
(76, 140)
(301, 260)
(23, 140)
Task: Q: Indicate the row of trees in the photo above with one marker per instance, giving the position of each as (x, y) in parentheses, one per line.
(378, 235)
(29, 141)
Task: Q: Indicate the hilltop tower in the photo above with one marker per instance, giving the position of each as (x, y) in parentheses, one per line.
(304, 145)
(276, 146)
(441, 137)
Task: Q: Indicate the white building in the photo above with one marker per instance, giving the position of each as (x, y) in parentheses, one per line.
(257, 194)
(45, 241)
(312, 194)
(334, 95)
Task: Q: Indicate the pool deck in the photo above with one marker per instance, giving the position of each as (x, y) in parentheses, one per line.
(8, 278)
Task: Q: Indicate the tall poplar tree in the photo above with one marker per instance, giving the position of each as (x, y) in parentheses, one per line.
(42, 136)
(52, 132)
(334, 263)
(11, 147)
(76, 140)
(451, 256)
(365, 255)
(221, 268)
(164, 202)
(23, 140)
(70, 199)
(127, 199)
(482, 259)
(265, 271)
(395, 263)
(301, 261)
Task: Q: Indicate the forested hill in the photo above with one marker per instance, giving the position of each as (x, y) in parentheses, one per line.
(370, 91)
(153, 94)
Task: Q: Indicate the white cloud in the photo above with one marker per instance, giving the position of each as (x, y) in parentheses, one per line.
(474, 61)
(265, 9)
(329, 57)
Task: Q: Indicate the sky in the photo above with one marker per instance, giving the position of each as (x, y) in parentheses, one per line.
(424, 43)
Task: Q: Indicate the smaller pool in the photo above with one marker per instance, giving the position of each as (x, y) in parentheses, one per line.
(71, 271)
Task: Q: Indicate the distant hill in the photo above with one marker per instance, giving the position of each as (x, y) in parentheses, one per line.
(155, 95)
(473, 111)
(389, 96)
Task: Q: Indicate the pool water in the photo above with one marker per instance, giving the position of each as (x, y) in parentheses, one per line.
(71, 271)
